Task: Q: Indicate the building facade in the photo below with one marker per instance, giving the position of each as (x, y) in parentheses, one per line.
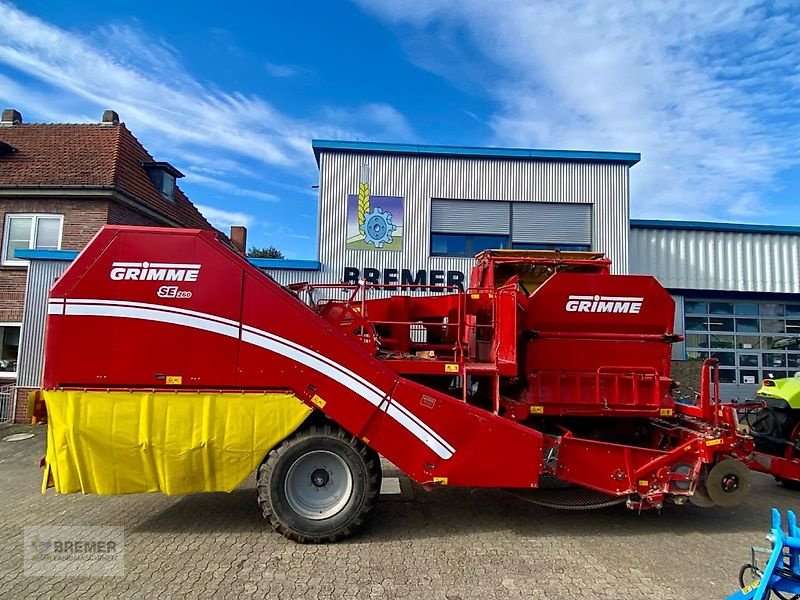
(737, 293)
(394, 213)
(59, 184)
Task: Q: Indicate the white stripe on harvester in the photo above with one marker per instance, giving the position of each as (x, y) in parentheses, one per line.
(149, 314)
(378, 394)
(263, 339)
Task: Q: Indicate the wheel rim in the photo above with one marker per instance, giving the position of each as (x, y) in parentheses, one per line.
(318, 485)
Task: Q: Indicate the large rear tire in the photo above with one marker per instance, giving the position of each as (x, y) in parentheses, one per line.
(319, 484)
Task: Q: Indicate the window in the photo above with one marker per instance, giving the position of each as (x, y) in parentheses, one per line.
(693, 307)
(748, 376)
(750, 339)
(167, 185)
(748, 360)
(747, 325)
(696, 323)
(465, 227)
(697, 340)
(726, 359)
(771, 310)
(773, 326)
(774, 360)
(454, 244)
(163, 176)
(744, 308)
(721, 308)
(719, 324)
(9, 349)
(722, 341)
(25, 232)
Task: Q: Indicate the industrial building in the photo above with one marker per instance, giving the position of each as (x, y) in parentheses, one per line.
(417, 214)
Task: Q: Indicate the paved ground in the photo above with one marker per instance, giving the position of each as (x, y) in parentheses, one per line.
(447, 544)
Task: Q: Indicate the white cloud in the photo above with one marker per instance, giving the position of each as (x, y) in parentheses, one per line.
(278, 70)
(224, 219)
(705, 91)
(371, 117)
(230, 188)
(69, 76)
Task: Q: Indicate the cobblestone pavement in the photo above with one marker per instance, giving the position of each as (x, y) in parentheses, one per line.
(448, 544)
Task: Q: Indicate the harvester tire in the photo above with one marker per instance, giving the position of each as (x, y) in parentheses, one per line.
(319, 484)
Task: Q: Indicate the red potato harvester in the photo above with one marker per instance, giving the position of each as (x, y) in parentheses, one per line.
(174, 365)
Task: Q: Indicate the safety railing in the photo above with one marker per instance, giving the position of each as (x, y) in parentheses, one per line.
(356, 298)
(7, 397)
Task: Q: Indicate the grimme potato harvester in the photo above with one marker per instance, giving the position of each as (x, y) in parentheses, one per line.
(174, 365)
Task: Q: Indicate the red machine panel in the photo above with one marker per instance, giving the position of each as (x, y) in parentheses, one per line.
(599, 343)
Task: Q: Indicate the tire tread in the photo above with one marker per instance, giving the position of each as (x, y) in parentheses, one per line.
(373, 481)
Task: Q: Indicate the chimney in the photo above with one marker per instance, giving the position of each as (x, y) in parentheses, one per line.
(10, 118)
(239, 238)
(110, 117)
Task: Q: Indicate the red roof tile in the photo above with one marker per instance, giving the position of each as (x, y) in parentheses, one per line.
(88, 155)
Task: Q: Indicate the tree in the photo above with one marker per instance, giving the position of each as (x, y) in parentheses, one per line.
(268, 252)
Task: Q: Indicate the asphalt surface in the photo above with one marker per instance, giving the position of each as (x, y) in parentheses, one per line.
(448, 544)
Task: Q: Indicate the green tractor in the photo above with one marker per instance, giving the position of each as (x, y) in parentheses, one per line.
(776, 426)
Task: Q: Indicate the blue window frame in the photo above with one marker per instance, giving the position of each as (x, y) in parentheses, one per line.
(457, 244)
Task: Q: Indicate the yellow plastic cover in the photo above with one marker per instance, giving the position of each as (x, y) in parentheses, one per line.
(171, 442)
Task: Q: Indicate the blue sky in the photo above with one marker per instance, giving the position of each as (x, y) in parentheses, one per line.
(232, 96)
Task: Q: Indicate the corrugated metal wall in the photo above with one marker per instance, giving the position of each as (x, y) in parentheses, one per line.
(717, 260)
(41, 275)
(418, 179)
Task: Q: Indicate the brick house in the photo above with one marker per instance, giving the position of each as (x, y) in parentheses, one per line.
(59, 183)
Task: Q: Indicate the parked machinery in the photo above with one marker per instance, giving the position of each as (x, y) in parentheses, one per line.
(774, 421)
(174, 365)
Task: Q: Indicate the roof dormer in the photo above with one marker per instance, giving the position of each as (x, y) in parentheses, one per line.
(163, 176)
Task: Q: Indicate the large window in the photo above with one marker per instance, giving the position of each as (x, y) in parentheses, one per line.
(751, 340)
(25, 231)
(466, 227)
(9, 349)
(453, 244)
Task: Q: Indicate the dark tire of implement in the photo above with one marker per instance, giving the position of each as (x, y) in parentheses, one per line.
(320, 438)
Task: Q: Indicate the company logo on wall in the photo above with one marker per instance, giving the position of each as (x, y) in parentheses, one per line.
(374, 222)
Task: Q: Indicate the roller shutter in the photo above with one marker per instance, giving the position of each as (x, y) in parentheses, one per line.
(551, 223)
(470, 216)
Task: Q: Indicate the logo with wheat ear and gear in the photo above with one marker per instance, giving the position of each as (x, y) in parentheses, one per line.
(376, 224)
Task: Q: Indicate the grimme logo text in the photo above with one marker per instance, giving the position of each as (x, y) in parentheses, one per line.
(146, 271)
(604, 304)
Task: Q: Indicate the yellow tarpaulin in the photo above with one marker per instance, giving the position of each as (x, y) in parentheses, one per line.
(170, 442)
